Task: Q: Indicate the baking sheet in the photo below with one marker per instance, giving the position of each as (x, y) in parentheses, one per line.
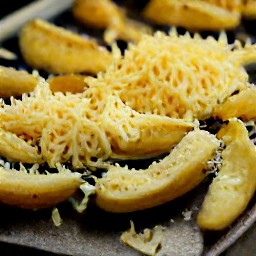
(96, 232)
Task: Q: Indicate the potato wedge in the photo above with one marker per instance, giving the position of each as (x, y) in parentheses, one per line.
(99, 13)
(124, 190)
(67, 83)
(241, 105)
(249, 9)
(231, 191)
(105, 14)
(135, 135)
(35, 191)
(14, 82)
(54, 49)
(16, 149)
(194, 15)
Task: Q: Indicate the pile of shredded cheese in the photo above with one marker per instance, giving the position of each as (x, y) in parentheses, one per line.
(134, 103)
(87, 128)
(59, 124)
(175, 76)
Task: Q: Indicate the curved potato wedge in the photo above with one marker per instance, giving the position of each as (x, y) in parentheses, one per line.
(135, 135)
(54, 49)
(195, 15)
(14, 82)
(231, 191)
(35, 191)
(124, 190)
(241, 105)
(107, 15)
(16, 149)
(67, 83)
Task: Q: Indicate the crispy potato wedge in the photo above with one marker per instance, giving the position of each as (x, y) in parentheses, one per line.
(16, 149)
(231, 191)
(135, 135)
(14, 82)
(107, 15)
(194, 15)
(124, 190)
(67, 83)
(35, 191)
(241, 105)
(54, 49)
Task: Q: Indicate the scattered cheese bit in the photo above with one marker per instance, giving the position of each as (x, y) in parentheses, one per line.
(56, 217)
(147, 242)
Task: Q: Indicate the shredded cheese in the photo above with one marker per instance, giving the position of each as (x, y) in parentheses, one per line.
(175, 76)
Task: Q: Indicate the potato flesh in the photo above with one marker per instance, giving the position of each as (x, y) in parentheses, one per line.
(14, 83)
(231, 191)
(123, 190)
(35, 191)
(241, 105)
(54, 49)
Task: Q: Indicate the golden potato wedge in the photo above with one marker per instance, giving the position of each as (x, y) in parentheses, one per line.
(105, 14)
(124, 190)
(135, 135)
(54, 49)
(194, 15)
(16, 149)
(231, 191)
(241, 105)
(14, 82)
(35, 191)
(99, 13)
(249, 9)
(67, 83)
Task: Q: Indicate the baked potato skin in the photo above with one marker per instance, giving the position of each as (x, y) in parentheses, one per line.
(48, 47)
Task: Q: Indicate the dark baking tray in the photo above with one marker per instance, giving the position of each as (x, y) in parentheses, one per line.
(96, 232)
